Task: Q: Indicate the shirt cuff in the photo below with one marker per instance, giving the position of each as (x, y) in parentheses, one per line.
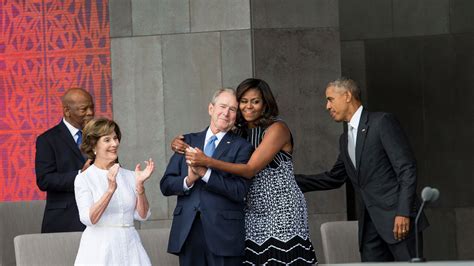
(206, 176)
(185, 186)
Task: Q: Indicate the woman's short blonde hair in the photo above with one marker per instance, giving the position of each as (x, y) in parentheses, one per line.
(94, 130)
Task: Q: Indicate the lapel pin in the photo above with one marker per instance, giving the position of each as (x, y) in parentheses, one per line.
(228, 142)
(363, 130)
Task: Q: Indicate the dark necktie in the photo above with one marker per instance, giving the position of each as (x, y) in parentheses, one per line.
(79, 138)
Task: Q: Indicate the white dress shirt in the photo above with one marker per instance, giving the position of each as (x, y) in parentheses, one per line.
(355, 122)
(72, 130)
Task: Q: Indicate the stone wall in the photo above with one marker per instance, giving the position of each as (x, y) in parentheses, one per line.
(415, 59)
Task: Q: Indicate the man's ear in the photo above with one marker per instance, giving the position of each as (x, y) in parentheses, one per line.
(348, 96)
(210, 108)
(66, 111)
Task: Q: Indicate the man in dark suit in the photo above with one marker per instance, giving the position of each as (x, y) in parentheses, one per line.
(208, 221)
(375, 155)
(58, 161)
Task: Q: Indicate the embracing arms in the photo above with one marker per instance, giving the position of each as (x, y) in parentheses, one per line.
(229, 185)
(277, 138)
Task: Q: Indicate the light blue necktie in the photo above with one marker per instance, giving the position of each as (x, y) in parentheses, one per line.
(210, 146)
(79, 139)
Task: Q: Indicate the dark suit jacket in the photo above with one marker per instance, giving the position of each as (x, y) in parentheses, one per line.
(385, 178)
(220, 201)
(57, 163)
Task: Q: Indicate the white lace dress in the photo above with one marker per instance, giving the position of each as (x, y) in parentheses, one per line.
(112, 240)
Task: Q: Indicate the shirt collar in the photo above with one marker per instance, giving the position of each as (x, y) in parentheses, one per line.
(356, 117)
(219, 136)
(71, 128)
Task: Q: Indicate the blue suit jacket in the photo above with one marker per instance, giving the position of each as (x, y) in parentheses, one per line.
(57, 163)
(220, 201)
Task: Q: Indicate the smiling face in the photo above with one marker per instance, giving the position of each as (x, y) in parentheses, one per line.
(223, 112)
(251, 106)
(78, 107)
(106, 149)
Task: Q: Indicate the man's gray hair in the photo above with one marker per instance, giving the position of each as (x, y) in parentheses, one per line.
(347, 84)
(219, 91)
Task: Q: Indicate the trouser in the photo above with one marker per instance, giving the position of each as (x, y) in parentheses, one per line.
(195, 251)
(374, 248)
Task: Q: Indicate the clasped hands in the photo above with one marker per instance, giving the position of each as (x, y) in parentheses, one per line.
(195, 159)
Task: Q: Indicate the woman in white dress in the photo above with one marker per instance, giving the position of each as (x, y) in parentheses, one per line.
(109, 198)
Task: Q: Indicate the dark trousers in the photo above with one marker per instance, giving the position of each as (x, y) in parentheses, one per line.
(374, 248)
(195, 251)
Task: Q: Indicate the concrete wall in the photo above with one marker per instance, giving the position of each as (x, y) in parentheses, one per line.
(415, 59)
(412, 58)
(168, 56)
(297, 51)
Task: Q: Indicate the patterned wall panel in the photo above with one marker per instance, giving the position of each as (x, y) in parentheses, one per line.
(46, 47)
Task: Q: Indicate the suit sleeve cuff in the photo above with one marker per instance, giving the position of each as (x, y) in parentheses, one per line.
(206, 176)
(185, 186)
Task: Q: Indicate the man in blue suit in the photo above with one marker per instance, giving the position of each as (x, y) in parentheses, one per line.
(208, 222)
(58, 161)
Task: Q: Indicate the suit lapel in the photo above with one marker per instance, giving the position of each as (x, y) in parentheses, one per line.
(361, 136)
(224, 145)
(65, 134)
(201, 138)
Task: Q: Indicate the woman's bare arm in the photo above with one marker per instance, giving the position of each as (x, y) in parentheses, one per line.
(276, 138)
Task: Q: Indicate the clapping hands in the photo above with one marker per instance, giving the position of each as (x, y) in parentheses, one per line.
(112, 177)
(195, 159)
(143, 175)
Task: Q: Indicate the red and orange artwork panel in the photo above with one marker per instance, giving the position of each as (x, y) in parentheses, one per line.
(46, 47)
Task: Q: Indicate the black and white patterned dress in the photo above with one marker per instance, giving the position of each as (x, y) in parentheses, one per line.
(276, 217)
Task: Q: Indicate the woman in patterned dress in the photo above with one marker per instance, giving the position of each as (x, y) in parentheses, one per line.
(276, 220)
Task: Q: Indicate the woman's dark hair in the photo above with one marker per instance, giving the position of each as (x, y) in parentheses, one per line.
(94, 130)
(270, 111)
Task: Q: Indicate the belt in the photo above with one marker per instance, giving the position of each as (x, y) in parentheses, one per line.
(115, 225)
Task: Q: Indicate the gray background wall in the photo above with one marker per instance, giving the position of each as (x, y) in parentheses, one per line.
(413, 58)
(297, 50)
(169, 56)
(416, 59)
